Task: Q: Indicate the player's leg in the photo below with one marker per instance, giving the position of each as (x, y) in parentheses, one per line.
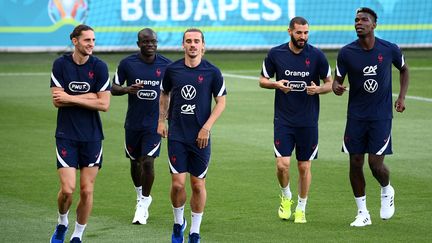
(283, 147)
(66, 153)
(304, 181)
(90, 162)
(306, 150)
(178, 200)
(358, 185)
(355, 144)
(147, 178)
(147, 174)
(133, 152)
(178, 156)
(379, 146)
(150, 148)
(85, 203)
(198, 168)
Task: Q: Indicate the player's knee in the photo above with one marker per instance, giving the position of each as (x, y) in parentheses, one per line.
(86, 194)
(147, 164)
(67, 190)
(282, 167)
(177, 186)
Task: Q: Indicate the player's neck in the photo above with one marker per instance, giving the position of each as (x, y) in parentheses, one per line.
(367, 42)
(192, 61)
(79, 59)
(147, 59)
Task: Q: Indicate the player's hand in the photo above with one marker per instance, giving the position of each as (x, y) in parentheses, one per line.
(203, 138)
(313, 89)
(338, 89)
(399, 105)
(283, 85)
(59, 96)
(133, 89)
(162, 129)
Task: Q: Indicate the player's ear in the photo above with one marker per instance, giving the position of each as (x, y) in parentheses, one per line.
(74, 41)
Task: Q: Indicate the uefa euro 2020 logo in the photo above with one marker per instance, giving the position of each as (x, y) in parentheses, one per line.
(67, 9)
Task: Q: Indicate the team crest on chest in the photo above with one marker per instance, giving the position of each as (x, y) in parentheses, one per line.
(200, 78)
(307, 62)
(380, 58)
(91, 74)
(158, 72)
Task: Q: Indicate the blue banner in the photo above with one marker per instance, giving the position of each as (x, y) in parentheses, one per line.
(30, 25)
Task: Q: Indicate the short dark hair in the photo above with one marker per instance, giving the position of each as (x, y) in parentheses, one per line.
(297, 20)
(194, 30)
(369, 11)
(78, 29)
(146, 30)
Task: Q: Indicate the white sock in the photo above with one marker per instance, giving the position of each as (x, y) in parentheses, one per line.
(138, 190)
(196, 222)
(79, 230)
(361, 204)
(63, 218)
(178, 215)
(286, 192)
(385, 189)
(301, 204)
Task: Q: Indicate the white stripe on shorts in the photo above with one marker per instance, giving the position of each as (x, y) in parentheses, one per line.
(172, 168)
(345, 150)
(276, 152)
(314, 153)
(59, 158)
(98, 159)
(127, 151)
(154, 150)
(385, 146)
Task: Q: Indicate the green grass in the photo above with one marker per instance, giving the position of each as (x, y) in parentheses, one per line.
(242, 187)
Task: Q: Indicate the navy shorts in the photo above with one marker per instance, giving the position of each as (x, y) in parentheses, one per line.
(185, 157)
(303, 139)
(140, 143)
(77, 154)
(372, 137)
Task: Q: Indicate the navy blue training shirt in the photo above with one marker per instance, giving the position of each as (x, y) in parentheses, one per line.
(75, 122)
(370, 78)
(192, 90)
(143, 107)
(296, 108)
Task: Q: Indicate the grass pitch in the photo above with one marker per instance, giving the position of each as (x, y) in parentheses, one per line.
(241, 183)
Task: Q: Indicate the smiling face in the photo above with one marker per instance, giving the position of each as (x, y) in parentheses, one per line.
(84, 43)
(364, 24)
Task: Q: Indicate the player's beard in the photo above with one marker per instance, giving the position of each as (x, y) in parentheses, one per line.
(296, 44)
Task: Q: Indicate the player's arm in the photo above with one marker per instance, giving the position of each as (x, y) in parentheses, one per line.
(164, 101)
(95, 101)
(204, 133)
(58, 104)
(282, 84)
(404, 81)
(120, 90)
